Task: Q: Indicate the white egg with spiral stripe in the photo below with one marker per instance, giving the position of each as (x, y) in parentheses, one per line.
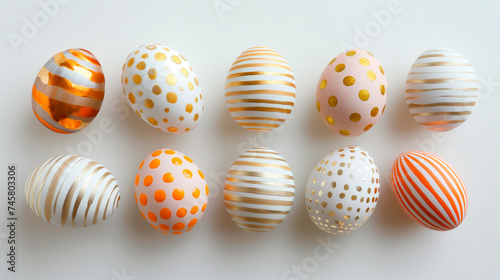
(342, 190)
(442, 89)
(260, 89)
(72, 191)
(259, 190)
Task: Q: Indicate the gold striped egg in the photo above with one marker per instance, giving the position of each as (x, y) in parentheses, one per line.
(72, 191)
(259, 190)
(442, 89)
(260, 89)
(429, 190)
(68, 91)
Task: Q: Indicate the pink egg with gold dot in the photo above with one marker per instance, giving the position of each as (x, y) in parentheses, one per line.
(171, 191)
(352, 93)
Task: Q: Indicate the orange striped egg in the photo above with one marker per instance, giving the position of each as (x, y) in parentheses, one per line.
(68, 91)
(429, 190)
(260, 89)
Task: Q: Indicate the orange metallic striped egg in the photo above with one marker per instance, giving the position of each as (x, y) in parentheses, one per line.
(68, 91)
(429, 190)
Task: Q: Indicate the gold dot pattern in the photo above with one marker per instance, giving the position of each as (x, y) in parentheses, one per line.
(323, 84)
(356, 85)
(161, 87)
(349, 81)
(355, 117)
(350, 179)
(332, 101)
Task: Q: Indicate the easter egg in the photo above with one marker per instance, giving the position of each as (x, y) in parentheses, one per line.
(68, 91)
(162, 88)
(442, 89)
(259, 190)
(352, 93)
(72, 191)
(342, 190)
(429, 190)
(260, 89)
(171, 191)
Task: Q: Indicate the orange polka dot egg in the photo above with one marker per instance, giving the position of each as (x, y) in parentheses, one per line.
(352, 93)
(171, 191)
(162, 88)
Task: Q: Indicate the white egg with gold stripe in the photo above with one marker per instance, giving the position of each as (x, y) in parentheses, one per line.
(260, 89)
(259, 190)
(72, 191)
(441, 89)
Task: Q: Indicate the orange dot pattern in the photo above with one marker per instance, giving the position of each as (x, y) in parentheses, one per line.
(162, 88)
(170, 191)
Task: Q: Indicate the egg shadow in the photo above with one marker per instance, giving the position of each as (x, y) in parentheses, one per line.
(313, 125)
(389, 218)
(402, 121)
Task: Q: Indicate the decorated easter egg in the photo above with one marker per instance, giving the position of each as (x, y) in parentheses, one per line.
(342, 190)
(171, 191)
(442, 89)
(429, 190)
(352, 93)
(259, 190)
(162, 88)
(260, 89)
(68, 91)
(72, 191)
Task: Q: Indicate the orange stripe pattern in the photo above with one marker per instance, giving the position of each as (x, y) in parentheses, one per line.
(68, 91)
(429, 190)
(260, 89)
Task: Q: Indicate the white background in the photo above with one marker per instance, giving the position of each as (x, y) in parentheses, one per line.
(308, 34)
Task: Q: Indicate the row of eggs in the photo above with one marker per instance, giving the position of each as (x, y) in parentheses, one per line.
(260, 91)
(172, 194)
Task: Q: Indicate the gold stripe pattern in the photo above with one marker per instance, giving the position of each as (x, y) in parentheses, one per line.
(68, 91)
(66, 188)
(259, 190)
(260, 76)
(442, 89)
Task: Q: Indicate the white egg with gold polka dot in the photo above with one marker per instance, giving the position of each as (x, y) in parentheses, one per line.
(352, 93)
(342, 190)
(162, 88)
